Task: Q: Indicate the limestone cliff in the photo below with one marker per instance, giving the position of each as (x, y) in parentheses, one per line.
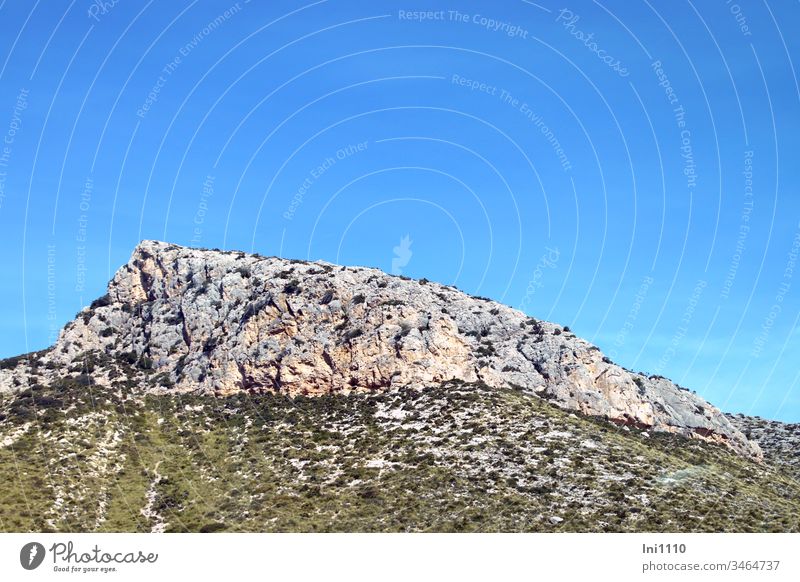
(215, 322)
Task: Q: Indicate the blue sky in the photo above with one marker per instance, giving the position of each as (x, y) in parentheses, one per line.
(623, 168)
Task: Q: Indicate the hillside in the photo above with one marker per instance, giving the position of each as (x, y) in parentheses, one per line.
(213, 390)
(455, 457)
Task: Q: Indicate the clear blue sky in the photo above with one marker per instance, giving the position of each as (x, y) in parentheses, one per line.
(628, 169)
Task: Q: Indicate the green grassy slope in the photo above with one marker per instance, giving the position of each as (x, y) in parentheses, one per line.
(456, 457)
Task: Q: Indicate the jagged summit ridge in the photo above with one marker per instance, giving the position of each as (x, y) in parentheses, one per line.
(221, 322)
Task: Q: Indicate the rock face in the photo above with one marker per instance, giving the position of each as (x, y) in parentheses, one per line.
(223, 322)
(780, 442)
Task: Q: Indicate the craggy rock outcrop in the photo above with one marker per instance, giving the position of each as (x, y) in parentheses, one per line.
(221, 322)
(779, 441)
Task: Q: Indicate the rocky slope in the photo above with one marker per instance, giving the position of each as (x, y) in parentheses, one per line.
(75, 456)
(779, 441)
(211, 322)
(213, 391)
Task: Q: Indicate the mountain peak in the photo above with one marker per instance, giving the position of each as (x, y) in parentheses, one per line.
(183, 320)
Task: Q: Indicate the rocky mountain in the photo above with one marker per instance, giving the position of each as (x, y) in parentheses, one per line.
(223, 322)
(219, 390)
